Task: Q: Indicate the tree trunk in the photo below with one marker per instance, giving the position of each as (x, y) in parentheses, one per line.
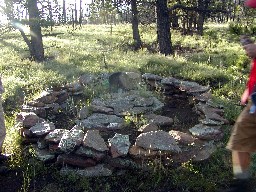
(135, 25)
(50, 14)
(163, 27)
(37, 50)
(80, 13)
(202, 5)
(64, 16)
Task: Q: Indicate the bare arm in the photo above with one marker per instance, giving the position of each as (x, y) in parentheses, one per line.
(245, 96)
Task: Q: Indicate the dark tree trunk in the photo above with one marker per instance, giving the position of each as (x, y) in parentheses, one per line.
(135, 25)
(50, 14)
(64, 16)
(202, 5)
(36, 50)
(80, 13)
(163, 27)
(174, 19)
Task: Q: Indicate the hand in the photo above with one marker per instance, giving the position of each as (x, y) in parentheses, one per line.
(250, 50)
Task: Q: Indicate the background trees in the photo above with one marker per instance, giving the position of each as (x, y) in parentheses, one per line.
(187, 16)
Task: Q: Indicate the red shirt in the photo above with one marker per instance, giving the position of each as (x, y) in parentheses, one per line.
(252, 78)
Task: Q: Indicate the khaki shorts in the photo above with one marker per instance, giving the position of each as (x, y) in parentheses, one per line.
(243, 135)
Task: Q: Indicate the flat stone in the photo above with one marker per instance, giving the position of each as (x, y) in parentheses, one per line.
(150, 140)
(206, 132)
(205, 152)
(93, 140)
(182, 138)
(102, 121)
(28, 119)
(95, 171)
(203, 97)
(148, 127)
(91, 153)
(70, 140)
(86, 79)
(83, 113)
(78, 161)
(44, 155)
(102, 109)
(39, 111)
(74, 87)
(150, 76)
(159, 120)
(211, 122)
(56, 135)
(123, 163)
(41, 129)
(119, 145)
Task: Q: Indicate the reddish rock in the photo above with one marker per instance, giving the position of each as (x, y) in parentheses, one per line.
(75, 160)
(28, 119)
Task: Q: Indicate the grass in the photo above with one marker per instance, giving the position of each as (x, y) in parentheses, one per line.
(215, 59)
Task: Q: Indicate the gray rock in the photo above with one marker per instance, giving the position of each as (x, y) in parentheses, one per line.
(39, 111)
(83, 113)
(102, 121)
(187, 86)
(124, 81)
(86, 79)
(205, 152)
(28, 119)
(41, 129)
(43, 155)
(88, 152)
(96, 171)
(119, 145)
(182, 138)
(148, 127)
(70, 140)
(102, 109)
(211, 122)
(159, 120)
(206, 132)
(56, 135)
(93, 140)
(157, 140)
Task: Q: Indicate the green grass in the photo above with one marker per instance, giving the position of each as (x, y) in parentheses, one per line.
(215, 59)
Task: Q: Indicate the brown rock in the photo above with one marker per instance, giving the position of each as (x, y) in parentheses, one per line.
(74, 160)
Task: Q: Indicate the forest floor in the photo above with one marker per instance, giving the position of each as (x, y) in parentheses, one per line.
(17, 180)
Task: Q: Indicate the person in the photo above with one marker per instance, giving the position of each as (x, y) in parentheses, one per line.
(242, 141)
(246, 40)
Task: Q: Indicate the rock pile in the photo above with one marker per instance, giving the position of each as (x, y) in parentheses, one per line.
(103, 139)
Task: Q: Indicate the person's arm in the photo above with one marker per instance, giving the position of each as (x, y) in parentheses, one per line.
(244, 97)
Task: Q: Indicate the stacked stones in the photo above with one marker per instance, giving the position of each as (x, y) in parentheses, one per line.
(101, 141)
